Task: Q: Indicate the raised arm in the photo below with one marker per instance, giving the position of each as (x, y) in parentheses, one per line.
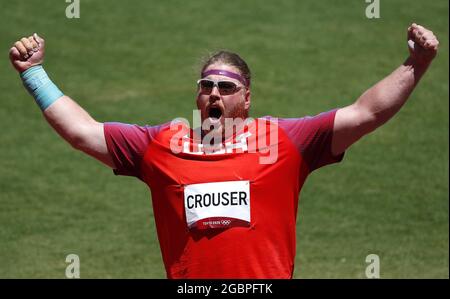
(68, 119)
(383, 100)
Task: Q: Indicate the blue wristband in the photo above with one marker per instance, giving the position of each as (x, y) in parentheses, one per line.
(39, 85)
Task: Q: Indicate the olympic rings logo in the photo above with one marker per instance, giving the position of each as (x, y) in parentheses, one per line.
(225, 222)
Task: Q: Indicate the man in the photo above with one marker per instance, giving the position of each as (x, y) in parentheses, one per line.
(225, 196)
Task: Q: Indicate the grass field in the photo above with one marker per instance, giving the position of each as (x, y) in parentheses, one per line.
(136, 62)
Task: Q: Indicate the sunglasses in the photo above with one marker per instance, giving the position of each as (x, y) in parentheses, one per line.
(225, 87)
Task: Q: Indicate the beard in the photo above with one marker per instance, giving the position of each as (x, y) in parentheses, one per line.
(232, 120)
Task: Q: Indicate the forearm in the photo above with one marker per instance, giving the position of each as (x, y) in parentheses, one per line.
(384, 99)
(63, 114)
(66, 117)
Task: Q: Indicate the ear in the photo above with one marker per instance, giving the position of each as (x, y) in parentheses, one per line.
(247, 98)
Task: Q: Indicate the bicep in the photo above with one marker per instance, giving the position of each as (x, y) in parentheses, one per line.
(350, 124)
(78, 128)
(93, 143)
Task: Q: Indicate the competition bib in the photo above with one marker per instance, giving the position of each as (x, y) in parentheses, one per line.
(217, 205)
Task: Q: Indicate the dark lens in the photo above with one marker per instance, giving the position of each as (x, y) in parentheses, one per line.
(226, 87)
(206, 85)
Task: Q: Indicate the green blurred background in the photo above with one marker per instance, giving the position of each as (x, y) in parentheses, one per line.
(137, 61)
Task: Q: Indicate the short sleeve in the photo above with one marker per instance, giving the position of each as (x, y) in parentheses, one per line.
(312, 135)
(127, 145)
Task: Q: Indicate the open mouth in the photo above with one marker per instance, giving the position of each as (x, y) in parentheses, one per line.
(215, 112)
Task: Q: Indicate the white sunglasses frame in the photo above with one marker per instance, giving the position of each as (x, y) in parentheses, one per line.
(216, 84)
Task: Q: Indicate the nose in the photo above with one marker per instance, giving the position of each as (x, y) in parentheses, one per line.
(215, 90)
(215, 94)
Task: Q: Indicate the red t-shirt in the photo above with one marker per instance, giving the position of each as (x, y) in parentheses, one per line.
(230, 213)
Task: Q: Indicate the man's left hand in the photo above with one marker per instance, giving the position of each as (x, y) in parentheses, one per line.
(422, 44)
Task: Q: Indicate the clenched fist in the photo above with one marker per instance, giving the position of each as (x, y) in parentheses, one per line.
(27, 52)
(422, 44)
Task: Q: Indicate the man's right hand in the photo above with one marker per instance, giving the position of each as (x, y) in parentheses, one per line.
(27, 52)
